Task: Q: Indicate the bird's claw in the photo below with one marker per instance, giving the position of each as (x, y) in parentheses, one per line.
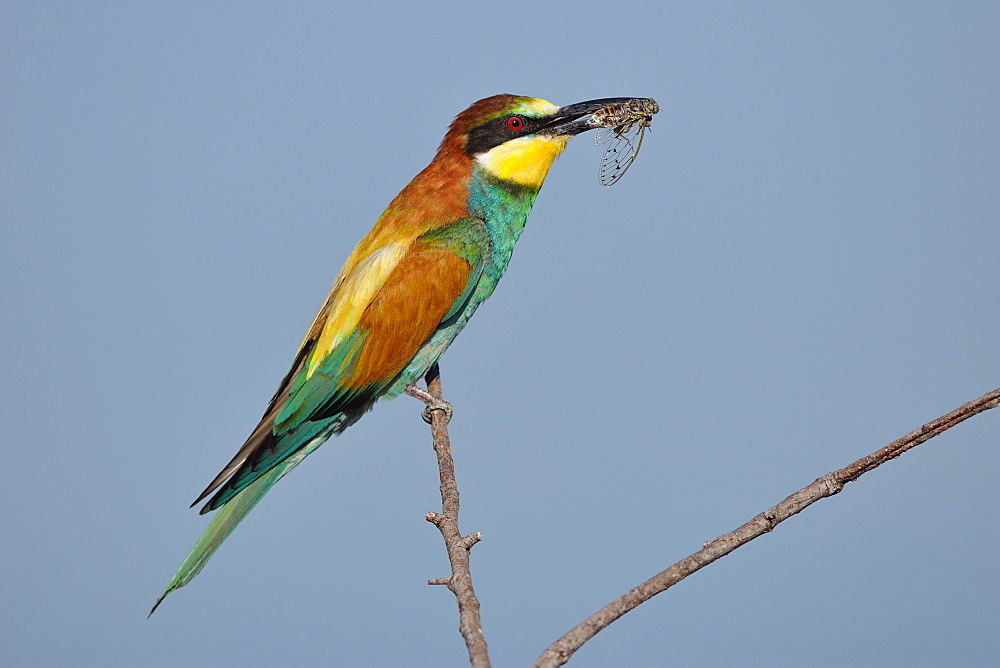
(438, 405)
(433, 403)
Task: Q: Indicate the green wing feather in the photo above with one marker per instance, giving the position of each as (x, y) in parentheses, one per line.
(315, 405)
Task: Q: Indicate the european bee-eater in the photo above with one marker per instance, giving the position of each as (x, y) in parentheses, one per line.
(403, 295)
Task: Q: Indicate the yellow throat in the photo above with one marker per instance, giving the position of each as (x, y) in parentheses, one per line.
(525, 160)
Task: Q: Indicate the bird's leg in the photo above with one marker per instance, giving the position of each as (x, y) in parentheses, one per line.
(433, 403)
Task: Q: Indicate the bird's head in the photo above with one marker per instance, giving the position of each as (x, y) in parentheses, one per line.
(515, 138)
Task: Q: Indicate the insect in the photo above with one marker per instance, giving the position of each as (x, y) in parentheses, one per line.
(622, 127)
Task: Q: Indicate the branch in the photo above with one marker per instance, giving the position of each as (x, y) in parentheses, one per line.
(458, 546)
(561, 650)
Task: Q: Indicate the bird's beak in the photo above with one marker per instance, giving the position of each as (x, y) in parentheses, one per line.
(572, 119)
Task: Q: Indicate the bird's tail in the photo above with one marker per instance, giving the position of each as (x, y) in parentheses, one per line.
(227, 518)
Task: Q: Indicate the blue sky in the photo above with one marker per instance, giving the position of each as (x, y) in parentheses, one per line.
(799, 268)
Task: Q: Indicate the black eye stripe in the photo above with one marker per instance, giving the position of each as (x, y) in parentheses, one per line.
(493, 133)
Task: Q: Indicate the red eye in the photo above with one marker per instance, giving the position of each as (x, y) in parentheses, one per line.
(515, 123)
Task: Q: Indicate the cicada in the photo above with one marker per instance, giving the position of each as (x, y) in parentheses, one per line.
(622, 127)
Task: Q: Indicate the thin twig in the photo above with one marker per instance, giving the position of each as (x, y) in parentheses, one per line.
(460, 580)
(561, 650)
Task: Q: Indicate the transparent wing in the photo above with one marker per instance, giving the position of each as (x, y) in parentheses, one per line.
(624, 143)
(605, 134)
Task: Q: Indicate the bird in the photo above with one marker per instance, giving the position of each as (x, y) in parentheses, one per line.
(402, 296)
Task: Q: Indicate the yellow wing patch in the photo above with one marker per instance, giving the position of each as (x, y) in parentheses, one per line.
(353, 295)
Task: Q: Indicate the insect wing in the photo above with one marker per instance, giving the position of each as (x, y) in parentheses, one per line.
(624, 143)
(605, 134)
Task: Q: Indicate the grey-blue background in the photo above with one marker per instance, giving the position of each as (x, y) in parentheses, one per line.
(800, 267)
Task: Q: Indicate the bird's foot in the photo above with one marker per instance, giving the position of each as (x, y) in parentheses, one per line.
(440, 405)
(433, 403)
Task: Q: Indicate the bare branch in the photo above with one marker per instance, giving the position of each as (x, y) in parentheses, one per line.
(460, 580)
(561, 650)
